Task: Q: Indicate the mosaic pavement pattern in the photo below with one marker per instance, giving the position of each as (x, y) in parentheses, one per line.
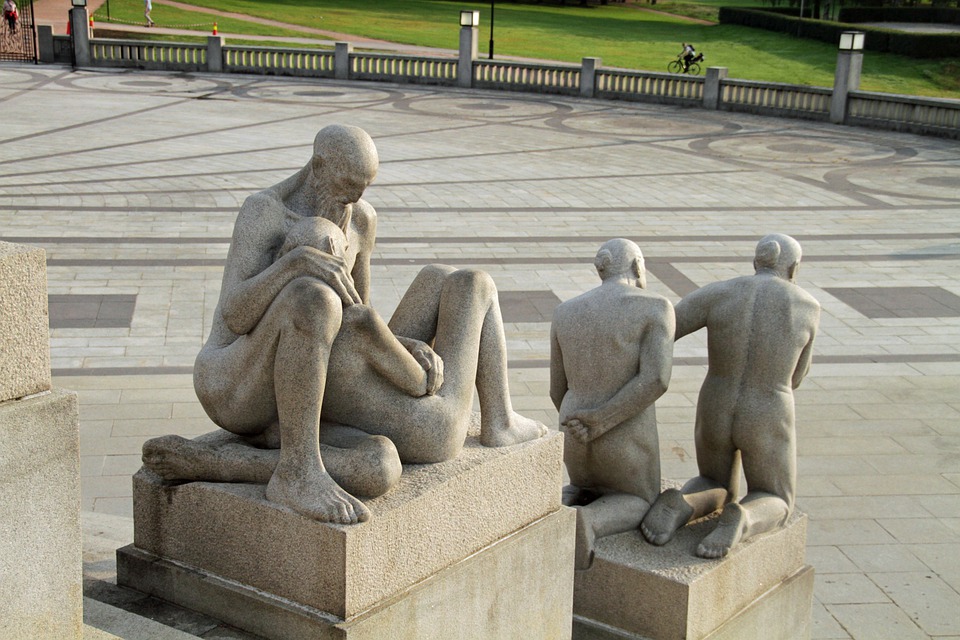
(131, 181)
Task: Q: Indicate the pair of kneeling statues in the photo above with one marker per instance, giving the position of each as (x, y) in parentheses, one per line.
(611, 358)
(323, 400)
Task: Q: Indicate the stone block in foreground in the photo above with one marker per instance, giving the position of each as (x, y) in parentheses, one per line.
(470, 543)
(24, 323)
(40, 541)
(762, 589)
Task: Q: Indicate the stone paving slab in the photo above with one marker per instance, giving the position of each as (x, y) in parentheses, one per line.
(133, 189)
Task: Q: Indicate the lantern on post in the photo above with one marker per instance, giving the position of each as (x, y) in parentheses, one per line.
(847, 75)
(469, 21)
(852, 41)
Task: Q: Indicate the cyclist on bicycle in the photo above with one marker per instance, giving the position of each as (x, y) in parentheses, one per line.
(10, 14)
(687, 54)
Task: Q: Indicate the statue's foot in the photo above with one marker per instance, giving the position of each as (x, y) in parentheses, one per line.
(314, 494)
(175, 458)
(728, 532)
(668, 513)
(583, 554)
(516, 430)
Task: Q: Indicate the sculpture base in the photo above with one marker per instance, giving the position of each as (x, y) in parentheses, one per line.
(762, 589)
(41, 548)
(514, 588)
(479, 542)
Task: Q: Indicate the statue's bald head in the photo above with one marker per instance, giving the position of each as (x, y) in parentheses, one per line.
(779, 253)
(621, 258)
(346, 148)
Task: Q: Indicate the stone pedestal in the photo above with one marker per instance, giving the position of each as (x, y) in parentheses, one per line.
(762, 589)
(40, 539)
(24, 325)
(480, 542)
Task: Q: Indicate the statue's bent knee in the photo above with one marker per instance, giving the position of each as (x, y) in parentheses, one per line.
(310, 302)
(435, 272)
(474, 280)
(389, 468)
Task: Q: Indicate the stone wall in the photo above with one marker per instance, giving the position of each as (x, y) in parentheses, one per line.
(40, 554)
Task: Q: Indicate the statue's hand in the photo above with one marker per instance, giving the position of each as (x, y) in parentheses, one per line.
(329, 269)
(577, 430)
(430, 361)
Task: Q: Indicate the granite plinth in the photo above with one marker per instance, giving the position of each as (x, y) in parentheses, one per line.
(782, 613)
(519, 587)
(40, 554)
(436, 516)
(24, 324)
(642, 591)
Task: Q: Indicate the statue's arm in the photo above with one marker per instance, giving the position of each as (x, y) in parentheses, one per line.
(692, 311)
(558, 375)
(806, 355)
(650, 382)
(251, 281)
(365, 222)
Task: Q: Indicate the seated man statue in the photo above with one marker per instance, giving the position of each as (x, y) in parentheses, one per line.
(760, 332)
(610, 359)
(293, 334)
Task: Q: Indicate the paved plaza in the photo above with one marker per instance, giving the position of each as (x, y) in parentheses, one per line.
(131, 182)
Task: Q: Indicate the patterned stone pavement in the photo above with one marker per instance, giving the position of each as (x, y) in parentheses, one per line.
(130, 181)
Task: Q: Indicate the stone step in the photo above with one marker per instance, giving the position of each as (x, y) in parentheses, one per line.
(111, 611)
(102, 621)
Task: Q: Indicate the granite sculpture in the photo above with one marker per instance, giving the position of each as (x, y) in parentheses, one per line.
(760, 332)
(610, 359)
(294, 338)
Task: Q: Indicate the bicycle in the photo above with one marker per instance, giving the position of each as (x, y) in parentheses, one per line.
(677, 66)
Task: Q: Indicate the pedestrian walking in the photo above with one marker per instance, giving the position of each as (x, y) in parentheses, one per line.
(10, 14)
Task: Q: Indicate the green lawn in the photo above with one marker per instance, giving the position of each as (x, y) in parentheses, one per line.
(131, 12)
(622, 35)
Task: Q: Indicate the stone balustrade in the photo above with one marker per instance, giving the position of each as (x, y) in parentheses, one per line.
(398, 68)
(930, 116)
(644, 86)
(153, 55)
(767, 98)
(312, 63)
(933, 116)
(506, 75)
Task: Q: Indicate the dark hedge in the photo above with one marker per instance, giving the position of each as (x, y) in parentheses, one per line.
(915, 45)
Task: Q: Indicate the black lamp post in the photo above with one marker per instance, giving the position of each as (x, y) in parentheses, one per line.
(491, 28)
